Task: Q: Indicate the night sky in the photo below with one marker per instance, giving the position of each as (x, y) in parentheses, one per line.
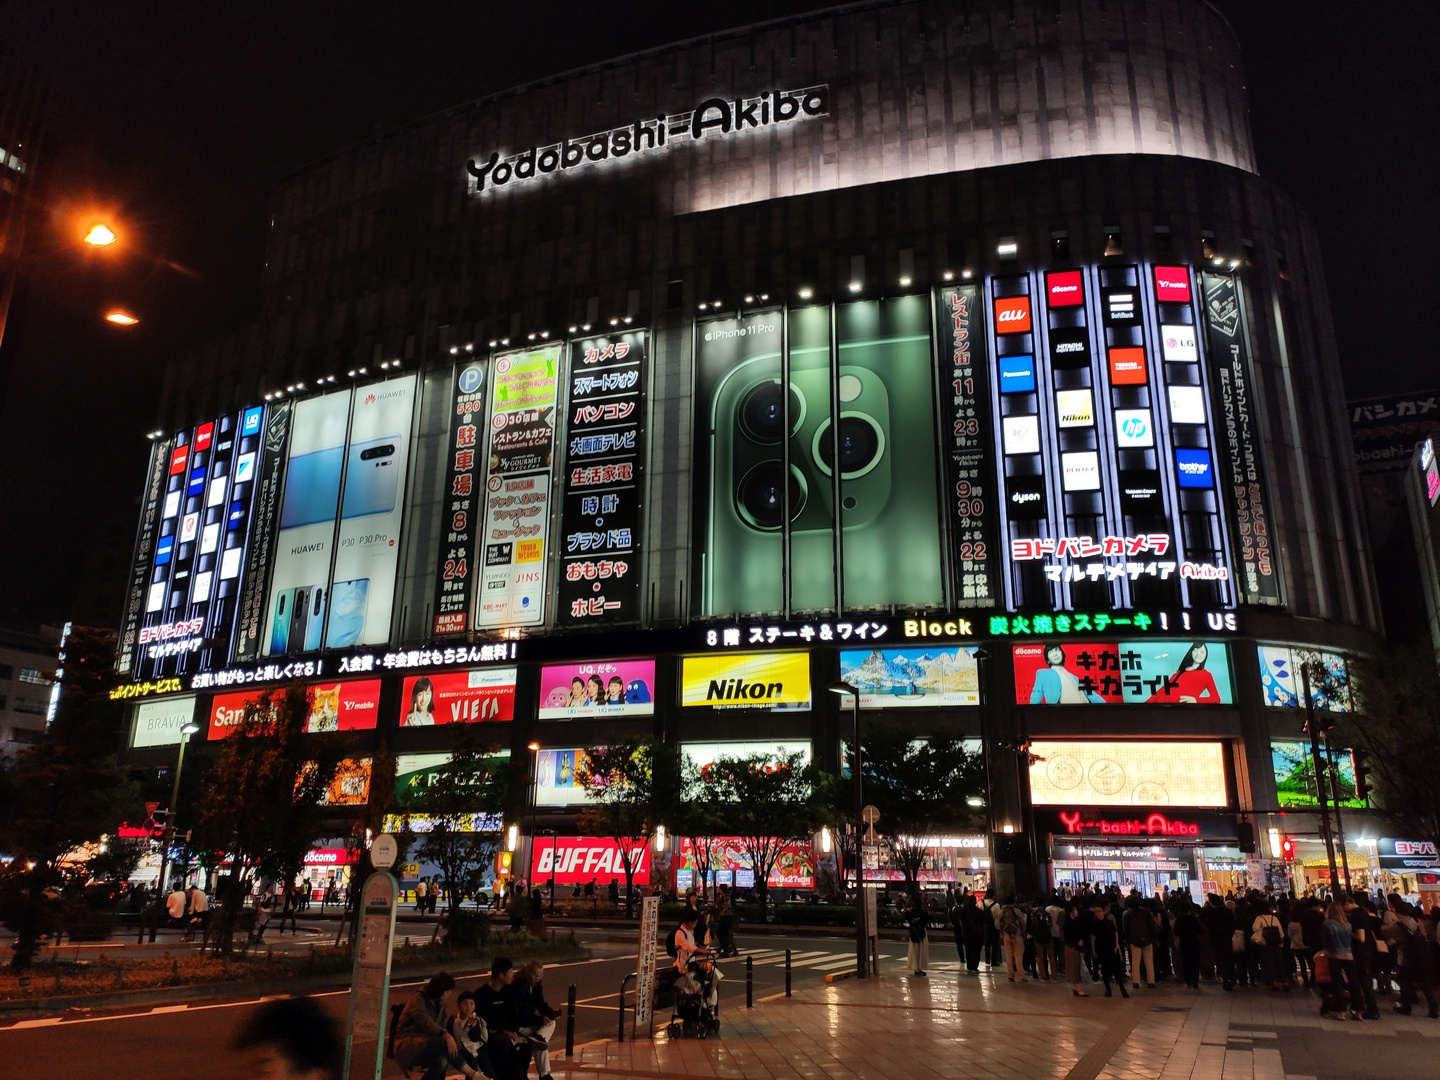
(178, 121)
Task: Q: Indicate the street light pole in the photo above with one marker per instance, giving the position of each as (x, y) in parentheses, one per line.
(858, 783)
(534, 748)
(168, 836)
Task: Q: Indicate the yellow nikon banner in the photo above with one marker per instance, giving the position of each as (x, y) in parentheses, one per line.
(746, 679)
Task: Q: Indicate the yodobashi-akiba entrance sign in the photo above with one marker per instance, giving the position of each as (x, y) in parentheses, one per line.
(713, 117)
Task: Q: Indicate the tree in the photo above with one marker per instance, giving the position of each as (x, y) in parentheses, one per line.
(267, 791)
(619, 781)
(1396, 722)
(457, 815)
(920, 787)
(697, 819)
(770, 802)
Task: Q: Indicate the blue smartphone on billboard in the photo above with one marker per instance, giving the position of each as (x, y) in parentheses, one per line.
(314, 618)
(280, 629)
(347, 613)
(312, 488)
(371, 477)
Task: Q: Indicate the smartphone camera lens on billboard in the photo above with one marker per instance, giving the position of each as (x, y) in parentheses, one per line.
(861, 444)
(762, 412)
(761, 498)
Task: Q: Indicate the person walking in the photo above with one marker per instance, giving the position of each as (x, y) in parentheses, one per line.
(1106, 936)
(1412, 942)
(1011, 924)
(1267, 935)
(1072, 932)
(1189, 937)
(957, 925)
(918, 955)
(1339, 950)
(1140, 936)
(975, 924)
(421, 889)
(1038, 930)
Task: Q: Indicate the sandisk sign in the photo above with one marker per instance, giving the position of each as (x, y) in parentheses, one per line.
(1172, 284)
(574, 860)
(1065, 288)
(337, 706)
(1012, 315)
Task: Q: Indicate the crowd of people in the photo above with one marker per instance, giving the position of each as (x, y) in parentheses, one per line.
(1353, 949)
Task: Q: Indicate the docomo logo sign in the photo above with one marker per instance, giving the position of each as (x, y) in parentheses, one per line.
(1012, 315)
(574, 860)
(1154, 825)
(169, 631)
(1172, 283)
(1065, 289)
(649, 135)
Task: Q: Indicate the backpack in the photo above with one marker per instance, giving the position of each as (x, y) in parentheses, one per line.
(1009, 921)
(670, 946)
(1039, 925)
(1270, 932)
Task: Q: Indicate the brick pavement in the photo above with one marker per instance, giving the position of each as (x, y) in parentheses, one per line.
(955, 1026)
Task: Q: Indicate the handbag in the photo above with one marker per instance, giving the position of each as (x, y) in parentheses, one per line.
(1321, 963)
(1237, 941)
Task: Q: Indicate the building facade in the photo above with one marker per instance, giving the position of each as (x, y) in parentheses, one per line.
(28, 663)
(508, 443)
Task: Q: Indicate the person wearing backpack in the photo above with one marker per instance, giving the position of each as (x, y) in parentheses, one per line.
(1011, 924)
(1412, 944)
(1039, 930)
(918, 958)
(1268, 935)
(1140, 936)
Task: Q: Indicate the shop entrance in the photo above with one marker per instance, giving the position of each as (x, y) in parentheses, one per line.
(1148, 869)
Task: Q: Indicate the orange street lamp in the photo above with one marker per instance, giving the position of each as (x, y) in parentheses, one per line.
(121, 317)
(100, 236)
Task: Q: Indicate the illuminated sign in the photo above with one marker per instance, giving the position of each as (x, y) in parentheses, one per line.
(702, 755)
(351, 784)
(946, 628)
(651, 134)
(126, 691)
(1017, 374)
(1172, 284)
(1169, 773)
(1128, 672)
(463, 697)
(1065, 288)
(1187, 405)
(1127, 366)
(1132, 555)
(1012, 315)
(1077, 822)
(729, 863)
(1294, 769)
(1193, 468)
(1133, 429)
(455, 581)
(158, 723)
(1080, 470)
(341, 706)
(1178, 343)
(597, 689)
(1074, 408)
(577, 860)
(1281, 682)
(803, 633)
(1100, 621)
(746, 679)
(1022, 434)
(898, 678)
(557, 777)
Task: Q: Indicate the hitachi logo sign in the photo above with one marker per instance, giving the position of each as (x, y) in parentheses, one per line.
(741, 690)
(714, 116)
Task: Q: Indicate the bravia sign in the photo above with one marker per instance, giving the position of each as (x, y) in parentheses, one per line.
(713, 116)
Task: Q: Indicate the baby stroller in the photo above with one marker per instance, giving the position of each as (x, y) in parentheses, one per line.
(697, 1003)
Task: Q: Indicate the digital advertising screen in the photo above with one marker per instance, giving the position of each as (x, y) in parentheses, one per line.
(769, 500)
(158, 722)
(915, 677)
(414, 773)
(730, 864)
(515, 541)
(334, 706)
(1295, 774)
(1123, 672)
(1131, 773)
(577, 860)
(351, 784)
(458, 697)
(1282, 682)
(456, 571)
(557, 777)
(597, 688)
(748, 680)
(702, 755)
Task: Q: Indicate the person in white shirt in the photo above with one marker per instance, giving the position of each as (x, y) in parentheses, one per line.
(175, 903)
(470, 1035)
(685, 947)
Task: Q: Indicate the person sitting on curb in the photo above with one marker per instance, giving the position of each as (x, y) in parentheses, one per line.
(420, 1035)
(536, 1017)
(495, 1002)
(470, 1035)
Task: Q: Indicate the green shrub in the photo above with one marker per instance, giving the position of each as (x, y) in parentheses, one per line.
(468, 929)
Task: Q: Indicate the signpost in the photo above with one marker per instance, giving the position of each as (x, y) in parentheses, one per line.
(370, 978)
(645, 967)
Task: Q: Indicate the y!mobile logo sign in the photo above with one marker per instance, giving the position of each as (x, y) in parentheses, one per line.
(1012, 315)
(1172, 284)
(713, 116)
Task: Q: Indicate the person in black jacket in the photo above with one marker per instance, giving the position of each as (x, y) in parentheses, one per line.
(1219, 923)
(1189, 935)
(496, 1003)
(535, 1017)
(1106, 936)
(974, 923)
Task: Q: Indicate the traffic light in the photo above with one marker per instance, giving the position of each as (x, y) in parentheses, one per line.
(1245, 835)
(1287, 849)
(1363, 787)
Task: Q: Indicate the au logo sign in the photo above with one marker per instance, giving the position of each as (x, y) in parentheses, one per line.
(757, 679)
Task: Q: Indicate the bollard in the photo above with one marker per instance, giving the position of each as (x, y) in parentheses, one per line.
(623, 984)
(570, 1024)
(749, 982)
(787, 972)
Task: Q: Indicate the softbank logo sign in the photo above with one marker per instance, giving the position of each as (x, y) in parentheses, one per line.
(712, 117)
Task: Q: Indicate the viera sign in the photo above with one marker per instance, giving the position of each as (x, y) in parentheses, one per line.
(712, 118)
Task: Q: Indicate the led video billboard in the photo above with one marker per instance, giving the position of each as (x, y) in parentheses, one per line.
(1124, 672)
(458, 697)
(900, 678)
(597, 688)
(1131, 773)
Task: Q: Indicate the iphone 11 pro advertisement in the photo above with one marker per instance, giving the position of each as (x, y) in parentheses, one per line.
(305, 544)
(848, 444)
(367, 550)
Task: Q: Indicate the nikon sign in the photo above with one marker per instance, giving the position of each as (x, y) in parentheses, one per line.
(746, 679)
(712, 118)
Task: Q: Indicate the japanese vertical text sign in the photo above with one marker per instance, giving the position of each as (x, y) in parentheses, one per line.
(460, 519)
(971, 494)
(645, 962)
(264, 519)
(1244, 478)
(144, 547)
(600, 513)
(514, 546)
(370, 980)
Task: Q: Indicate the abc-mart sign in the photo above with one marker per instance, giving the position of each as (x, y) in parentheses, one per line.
(711, 119)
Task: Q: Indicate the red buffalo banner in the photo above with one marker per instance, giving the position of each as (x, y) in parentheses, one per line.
(576, 859)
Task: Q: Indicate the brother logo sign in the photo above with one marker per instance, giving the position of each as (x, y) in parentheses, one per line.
(714, 116)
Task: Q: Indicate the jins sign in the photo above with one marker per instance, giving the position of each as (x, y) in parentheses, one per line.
(1075, 822)
(714, 116)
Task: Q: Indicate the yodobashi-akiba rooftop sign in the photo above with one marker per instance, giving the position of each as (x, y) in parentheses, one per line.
(712, 118)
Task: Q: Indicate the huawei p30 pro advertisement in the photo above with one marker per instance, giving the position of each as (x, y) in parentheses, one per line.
(333, 579)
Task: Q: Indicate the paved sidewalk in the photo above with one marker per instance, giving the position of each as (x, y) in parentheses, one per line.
(957, 1026)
